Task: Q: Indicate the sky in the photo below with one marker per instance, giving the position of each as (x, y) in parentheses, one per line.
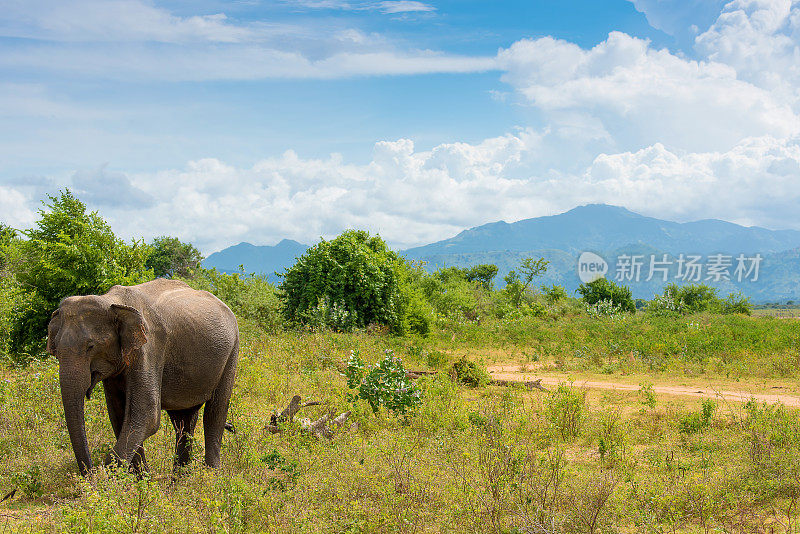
(220, 122)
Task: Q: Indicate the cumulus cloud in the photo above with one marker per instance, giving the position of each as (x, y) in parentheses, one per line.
(761, 40)
(643, 96)
(106, 188)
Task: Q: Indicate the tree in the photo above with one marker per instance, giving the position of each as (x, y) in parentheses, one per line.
(483, 274)
(518, 283)
(603, 289)
(69, 252)
(349, 282)
(7, 236)
(170, 257)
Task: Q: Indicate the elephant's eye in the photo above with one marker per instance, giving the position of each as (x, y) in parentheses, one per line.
(90, 346)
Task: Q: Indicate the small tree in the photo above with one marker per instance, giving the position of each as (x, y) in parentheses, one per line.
(482, 274)
(69, 252)
(518, 283)
(170, 257)
(603, 289)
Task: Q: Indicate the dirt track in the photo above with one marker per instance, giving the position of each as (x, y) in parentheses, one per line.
(512, 374)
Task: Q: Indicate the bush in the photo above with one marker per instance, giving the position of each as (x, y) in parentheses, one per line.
(386, 384)
(469, 373)
(735, 303)
(564, 408)
(349, 282)
(554, 293)
(692, 422)
(70, 252)
(603, 289)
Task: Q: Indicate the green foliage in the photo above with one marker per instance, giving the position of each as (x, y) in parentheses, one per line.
(251, 297)
(69, 252)
(285, 472)
(735, 303)
(355, 277)
(517, 284)
(170, 257)
(553, 294)
(29, 481)
(7, 238)
(647, 396)
(603, 289)
(692, 422)
(450, 294)
(482, 274)
(695, 298)
(386, 384)
(469, 373)
(565, 408)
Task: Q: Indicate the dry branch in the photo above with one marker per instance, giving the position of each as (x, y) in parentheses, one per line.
(318, 428)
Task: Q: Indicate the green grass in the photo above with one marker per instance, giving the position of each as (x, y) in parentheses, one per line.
(484, 459)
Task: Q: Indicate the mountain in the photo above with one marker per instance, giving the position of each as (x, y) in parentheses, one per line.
(601, 227)
(257, 259)
(616, 233)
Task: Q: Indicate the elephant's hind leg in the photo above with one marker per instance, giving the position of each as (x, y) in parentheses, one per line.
(184, 422)
(216, 411)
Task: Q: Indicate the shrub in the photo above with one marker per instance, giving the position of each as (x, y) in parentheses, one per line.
(603, 289)
(469, 373)
(386, 384)
(666, 304)
(692, 422)
(70, 252)
(735, 303)
(564, 408)
(354, 275)
(554, 293)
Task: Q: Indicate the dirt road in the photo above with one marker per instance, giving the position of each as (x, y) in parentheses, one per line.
(512, 373)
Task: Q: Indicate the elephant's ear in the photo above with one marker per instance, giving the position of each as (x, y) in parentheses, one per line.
(52, 331)
(131, 330)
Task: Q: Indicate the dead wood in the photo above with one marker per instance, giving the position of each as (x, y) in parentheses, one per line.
(319, 428)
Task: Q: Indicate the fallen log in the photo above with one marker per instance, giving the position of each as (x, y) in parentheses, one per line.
(319, 428)
(529, 384)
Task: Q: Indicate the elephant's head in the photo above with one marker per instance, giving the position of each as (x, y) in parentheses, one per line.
(92, 339)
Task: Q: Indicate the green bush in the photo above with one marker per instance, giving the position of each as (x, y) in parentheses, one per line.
(69, 252)
(565, 408)
(692, 422)
(469, 373)
(735, 303)
(694, 298)
(386, 384)
(349, 282)
(603, 289)
(554, 293)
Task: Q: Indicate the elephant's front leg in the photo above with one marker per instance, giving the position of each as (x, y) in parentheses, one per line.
(141, 420)
(114, 389)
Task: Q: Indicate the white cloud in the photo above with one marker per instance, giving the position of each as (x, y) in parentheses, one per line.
(404, 6)
(643, 96)
(761, 40)
(414, 197)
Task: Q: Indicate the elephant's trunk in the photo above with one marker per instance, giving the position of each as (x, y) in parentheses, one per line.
(74, 386)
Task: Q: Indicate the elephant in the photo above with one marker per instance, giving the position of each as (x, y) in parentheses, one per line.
(160, 345)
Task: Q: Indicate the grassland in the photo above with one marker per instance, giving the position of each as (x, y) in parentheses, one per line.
(489, 459)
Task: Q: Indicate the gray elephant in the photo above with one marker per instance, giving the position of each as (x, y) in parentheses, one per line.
(156, 346)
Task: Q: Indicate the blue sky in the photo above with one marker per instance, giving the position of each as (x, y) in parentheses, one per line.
(219, 122)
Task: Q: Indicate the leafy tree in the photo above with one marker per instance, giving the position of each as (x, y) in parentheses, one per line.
(69, 252)
(554, 293)
(349, 282)
(170, 257)
(518, 283)
(483, 274)
(603, 289)
(7, 237)
(692, 298)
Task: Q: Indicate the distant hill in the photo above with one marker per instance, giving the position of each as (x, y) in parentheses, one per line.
(257, 259)
(602, 227)
(609, 231)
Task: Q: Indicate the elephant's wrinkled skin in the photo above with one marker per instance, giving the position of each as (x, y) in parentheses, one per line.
(156, 346)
